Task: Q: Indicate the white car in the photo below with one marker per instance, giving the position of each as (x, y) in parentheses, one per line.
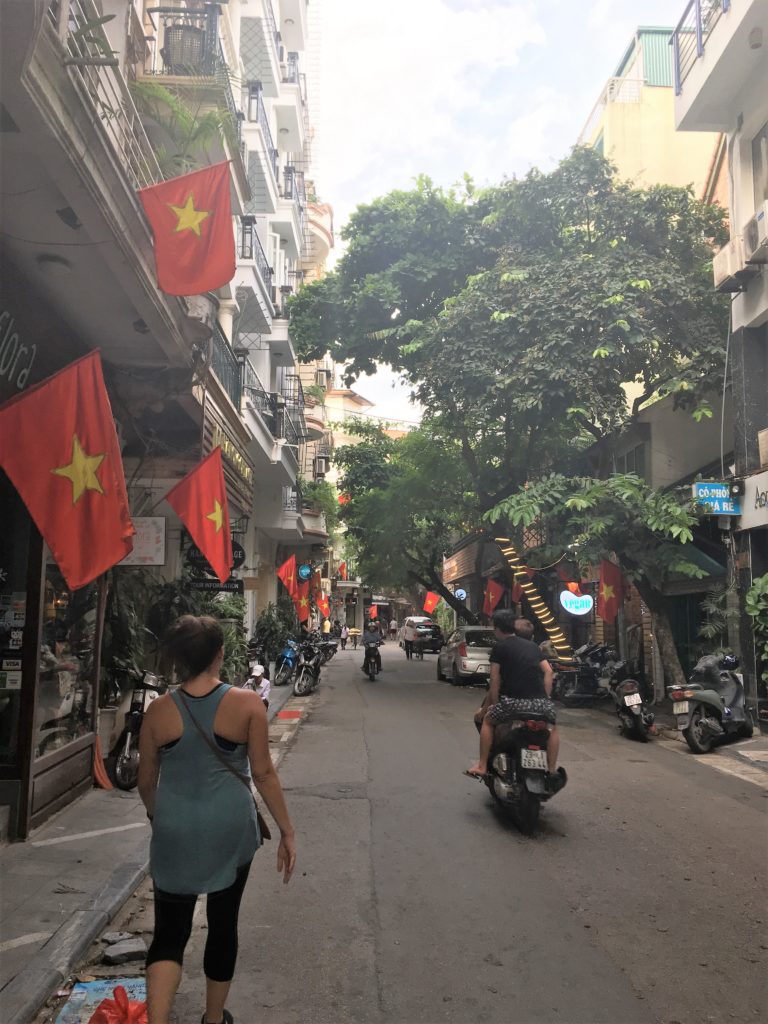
(466, 655)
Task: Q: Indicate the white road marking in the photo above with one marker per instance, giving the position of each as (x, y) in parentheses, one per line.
(88, 835)
(723, 763)
(24, 940)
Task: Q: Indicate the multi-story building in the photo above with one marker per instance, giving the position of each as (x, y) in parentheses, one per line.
(99, 99)
(632, 123)
(720, 59)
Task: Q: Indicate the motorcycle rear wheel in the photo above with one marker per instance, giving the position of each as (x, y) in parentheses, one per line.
(126, 770)
(526, 812)
(694, 734)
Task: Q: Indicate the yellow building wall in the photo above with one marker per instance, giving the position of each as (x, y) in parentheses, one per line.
(640, 139)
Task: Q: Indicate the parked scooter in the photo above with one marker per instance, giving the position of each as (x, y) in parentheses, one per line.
(372, 659)
(308, 667)
(635, 717)
(517, 769)
(285, 663)
(712, 707)
(123, 759)
(327, 649)
(596, 666)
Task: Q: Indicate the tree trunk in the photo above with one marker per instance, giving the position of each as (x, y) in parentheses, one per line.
(662, 634)
(436, 584)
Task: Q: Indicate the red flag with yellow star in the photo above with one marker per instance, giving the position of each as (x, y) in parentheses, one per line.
(200, 502)
(59, 447)
(610, 593)
(431, 601)
(324, 606)
(301, 600)
(287, 574)
(191, 220)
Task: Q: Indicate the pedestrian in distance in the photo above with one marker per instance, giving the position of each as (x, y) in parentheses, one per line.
(344, 636)
(393, 629)
(326, 628)
(200, 747)
(409, 636)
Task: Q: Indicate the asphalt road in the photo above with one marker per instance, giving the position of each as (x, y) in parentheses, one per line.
(640, 899)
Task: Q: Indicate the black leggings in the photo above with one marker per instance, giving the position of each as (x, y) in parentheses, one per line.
(173, 926)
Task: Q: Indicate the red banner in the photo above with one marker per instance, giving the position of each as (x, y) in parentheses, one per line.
(287, 575)
(493, 594)
(610, 594)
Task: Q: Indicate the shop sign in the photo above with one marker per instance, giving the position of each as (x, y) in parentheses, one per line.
(305, 572)
(755, 510)
(213, 586)
(576, 604)
(194, 556)
(148, 542)
(716, 498)
(460, 593)
(15, 358)
(10, 680)
(232, 452)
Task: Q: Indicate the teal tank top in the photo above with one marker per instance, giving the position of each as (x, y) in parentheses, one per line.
(204, 825)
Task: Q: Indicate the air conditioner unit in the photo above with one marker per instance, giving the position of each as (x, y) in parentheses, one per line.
(728, 267)
(756, 236)
(322, 378)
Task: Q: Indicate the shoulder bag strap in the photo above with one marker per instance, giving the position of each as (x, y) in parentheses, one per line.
(245, 779)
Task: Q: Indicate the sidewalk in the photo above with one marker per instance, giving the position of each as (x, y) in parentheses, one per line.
(61, 888)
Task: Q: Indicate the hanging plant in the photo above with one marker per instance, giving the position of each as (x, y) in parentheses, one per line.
(757, 608)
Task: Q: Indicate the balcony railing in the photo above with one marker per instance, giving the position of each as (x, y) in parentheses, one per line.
(255, 393)
(269, 17)
(292, 499)
(290, 70)
(94, 71)
(225, 365)
(617, 90)
(258, 113)
(251, 249)
(690, 37)
(292, 390)
(188, 42)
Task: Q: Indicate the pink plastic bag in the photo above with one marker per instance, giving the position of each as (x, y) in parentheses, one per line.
(120, 1010)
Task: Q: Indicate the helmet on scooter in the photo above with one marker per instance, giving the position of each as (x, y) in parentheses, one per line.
(730, 662)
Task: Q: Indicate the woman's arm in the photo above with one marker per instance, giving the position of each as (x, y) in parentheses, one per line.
(267, 783)
(149, 762)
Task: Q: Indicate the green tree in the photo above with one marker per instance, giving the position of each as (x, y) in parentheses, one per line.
(408, 499)
(648, 530)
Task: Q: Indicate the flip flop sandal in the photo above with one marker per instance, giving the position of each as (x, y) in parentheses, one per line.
(478, 776)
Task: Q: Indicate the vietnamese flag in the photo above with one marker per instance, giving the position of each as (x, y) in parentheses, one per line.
(373, 611)
(324, 606)
(287, 574)
(431, 601)
(301, 600)
(493, 594)
(343, 570)
(59, 448)
(200, 502)
(191, 220)
(610, 594)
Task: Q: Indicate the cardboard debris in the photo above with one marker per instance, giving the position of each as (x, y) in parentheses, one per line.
(87, 995)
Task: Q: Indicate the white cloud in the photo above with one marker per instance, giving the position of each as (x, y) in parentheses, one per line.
(396, 79)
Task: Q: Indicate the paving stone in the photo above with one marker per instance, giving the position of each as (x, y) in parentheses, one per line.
(123, 952)
(112, 937)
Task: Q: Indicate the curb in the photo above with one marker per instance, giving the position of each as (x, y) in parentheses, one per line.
(51, 966)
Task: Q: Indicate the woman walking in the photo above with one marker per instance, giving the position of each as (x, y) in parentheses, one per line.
(196, 747)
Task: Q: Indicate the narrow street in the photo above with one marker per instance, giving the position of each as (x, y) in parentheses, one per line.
(640, 898)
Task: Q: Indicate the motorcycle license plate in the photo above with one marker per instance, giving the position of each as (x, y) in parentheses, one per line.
(534, 759)
(680, 708)
(632, 699)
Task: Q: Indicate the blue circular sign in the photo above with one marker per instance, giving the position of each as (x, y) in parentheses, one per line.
(576, 604)
(305, 572)
(460, 593)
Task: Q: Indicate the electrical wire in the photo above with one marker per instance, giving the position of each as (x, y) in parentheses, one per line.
(43, 242)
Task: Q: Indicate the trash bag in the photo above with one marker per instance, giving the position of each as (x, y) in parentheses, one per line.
(120, 1010)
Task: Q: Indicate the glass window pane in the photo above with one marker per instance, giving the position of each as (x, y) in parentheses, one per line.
(65, 693)
(14, 542)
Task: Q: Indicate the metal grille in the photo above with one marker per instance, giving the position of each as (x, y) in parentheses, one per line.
(225, 365)
(690, 36)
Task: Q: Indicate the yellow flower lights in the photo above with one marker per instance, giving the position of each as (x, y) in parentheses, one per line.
(543, 614)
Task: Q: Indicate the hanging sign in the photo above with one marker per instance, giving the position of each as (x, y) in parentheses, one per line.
(460, 593)
(755, 513)
(213, 586)
(194, 556)
(148, 543)
(576, 604)
(716, 498)
(305, 572)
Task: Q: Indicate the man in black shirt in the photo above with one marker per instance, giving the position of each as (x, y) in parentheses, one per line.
(521, 680)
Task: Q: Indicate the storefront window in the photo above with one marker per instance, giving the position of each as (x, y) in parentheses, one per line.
(14, 541)
(65, 694)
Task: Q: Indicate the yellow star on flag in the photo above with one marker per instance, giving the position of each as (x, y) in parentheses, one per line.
(303, 602)
(188, 217)
(81, 471)
(606, 592)
(217, 516)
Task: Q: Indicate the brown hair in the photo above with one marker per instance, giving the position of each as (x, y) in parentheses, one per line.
(192, 643)
(524, 628)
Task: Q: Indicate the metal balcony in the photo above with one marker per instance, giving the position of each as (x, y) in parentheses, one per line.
(225, 365)
(250, 248)
(690, 37)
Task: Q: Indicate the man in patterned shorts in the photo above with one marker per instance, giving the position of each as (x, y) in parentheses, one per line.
(521, 681)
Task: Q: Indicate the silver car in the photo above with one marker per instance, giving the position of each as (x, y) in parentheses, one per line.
(465, 658)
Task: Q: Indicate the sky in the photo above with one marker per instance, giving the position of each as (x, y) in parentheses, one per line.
(443, 87)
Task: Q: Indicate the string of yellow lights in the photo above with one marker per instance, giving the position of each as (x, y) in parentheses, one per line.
(541, 611)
